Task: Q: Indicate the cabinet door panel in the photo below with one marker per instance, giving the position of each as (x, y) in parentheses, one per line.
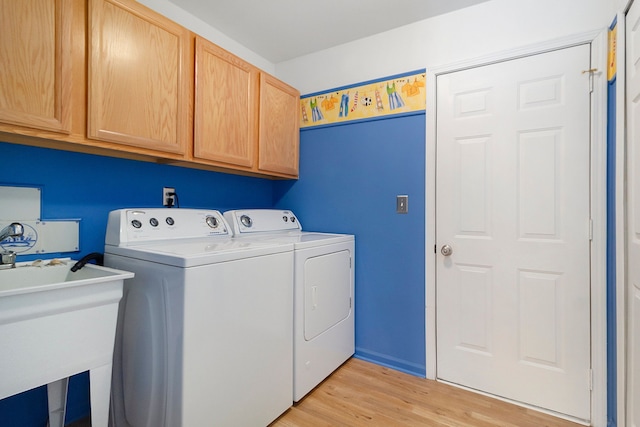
(279, 127)
(225, 107)
(138, 77)
(35, 64)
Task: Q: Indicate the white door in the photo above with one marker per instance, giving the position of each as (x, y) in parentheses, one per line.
(512, 202)
(633, 218)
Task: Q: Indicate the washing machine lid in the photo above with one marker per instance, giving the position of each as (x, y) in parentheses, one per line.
(180, 237)
(199, 251)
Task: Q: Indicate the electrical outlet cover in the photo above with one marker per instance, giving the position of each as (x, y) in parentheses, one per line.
(402, 204)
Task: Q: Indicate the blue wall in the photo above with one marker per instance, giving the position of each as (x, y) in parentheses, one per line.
(349, 178)
(88, 187)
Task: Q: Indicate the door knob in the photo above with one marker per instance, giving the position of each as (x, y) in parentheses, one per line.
(446, 250)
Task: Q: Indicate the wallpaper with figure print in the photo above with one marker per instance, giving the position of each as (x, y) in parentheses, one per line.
(395, 95)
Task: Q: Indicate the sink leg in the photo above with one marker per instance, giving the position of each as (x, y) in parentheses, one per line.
(57, 399)
(100, 388)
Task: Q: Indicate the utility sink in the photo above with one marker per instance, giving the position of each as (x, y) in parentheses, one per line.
(55, 323)
(40, 276)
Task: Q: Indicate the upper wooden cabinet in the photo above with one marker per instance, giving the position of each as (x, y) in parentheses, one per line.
(225, 118)
(113, 77)
(139, 79)
(279, 127)
(243, 117)
(35, 64)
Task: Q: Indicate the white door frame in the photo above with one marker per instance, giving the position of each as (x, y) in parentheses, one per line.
(621, 213)
(622, 294)
(599, 45)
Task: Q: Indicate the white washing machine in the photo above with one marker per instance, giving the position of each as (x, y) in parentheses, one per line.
(323, 291)
(204, 334)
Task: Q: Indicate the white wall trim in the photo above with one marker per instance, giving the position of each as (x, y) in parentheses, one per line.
(598, 40)
(599, 48)
(430, 226)
(621, 219)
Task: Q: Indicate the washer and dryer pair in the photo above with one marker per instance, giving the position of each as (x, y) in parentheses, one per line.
(204, 331)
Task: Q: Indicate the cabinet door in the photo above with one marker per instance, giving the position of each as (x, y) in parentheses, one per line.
(139, 77)
(279, 127)
(35, 64)
(225, 107)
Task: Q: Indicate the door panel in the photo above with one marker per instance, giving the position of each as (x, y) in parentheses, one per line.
(35, 64)
(513, 300)
(139, 78)
(226, 106)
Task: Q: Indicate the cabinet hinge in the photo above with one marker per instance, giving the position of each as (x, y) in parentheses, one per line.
(350, 302)
(590, 229)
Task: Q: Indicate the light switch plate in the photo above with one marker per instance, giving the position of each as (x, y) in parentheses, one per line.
(402, 204)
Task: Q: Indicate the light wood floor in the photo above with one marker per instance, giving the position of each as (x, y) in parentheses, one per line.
(365, 394)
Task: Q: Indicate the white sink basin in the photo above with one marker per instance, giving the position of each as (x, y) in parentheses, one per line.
(55, 323)
(48, 275)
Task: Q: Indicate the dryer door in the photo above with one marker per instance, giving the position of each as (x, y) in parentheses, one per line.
(327, 292)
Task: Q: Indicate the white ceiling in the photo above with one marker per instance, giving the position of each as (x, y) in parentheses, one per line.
(279, 30)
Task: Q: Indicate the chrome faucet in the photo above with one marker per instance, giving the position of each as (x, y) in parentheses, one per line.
(8, 258)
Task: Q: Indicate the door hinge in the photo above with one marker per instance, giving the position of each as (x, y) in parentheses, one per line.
(591, 72)
(590, 229)
(590, 378)
(350, 264)
(435, 249)
(350, 302)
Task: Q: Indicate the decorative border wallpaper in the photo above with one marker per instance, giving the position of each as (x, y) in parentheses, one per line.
(393, 95)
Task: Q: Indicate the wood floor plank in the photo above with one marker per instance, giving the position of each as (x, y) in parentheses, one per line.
(364, 394)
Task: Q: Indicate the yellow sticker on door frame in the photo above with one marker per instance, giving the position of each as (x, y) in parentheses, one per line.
(612, 55)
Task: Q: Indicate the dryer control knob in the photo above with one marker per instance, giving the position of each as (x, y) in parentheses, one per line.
(246, 221)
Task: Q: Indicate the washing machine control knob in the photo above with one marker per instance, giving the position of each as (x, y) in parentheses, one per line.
(169, 221)
(153, 222)
(285, 218)
(246, 221)
(212, 221)
(136, 223)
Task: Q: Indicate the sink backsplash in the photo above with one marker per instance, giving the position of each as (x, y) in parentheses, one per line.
(23, 205)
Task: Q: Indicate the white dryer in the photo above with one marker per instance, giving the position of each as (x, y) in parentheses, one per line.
(204, 334)
(323, 291)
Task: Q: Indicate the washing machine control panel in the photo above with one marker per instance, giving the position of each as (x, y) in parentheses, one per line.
(142, 225)
(248, 221)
